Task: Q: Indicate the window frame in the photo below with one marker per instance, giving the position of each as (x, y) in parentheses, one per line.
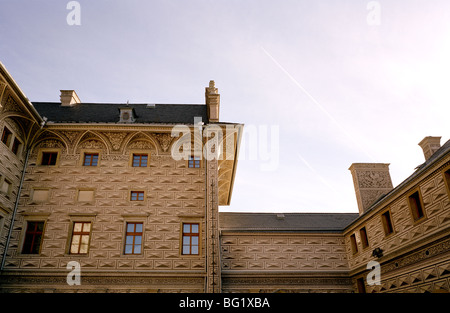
(32, 199)
(2, 220)
(446, 177)
(364, 238)
(361, 285)
(8, 134)
(80, 190)
(140, 155)
(133, 152)
(138, 193)
(385, 221)
(44, 152)
(91, 154)
(8, 183)
(353, 244)
(27, 232)
(134, 234)
(81, 234)
(418, 206)
(195, 160)
(190, 235)
(16, 146)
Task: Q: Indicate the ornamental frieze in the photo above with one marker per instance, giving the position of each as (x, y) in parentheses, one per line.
(442, 247)
(374, 179)
(164, 140)
(285, 281)
(102, 280)
(116, 139)
(11, 105)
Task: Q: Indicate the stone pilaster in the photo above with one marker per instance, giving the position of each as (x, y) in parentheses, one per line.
(213, 280)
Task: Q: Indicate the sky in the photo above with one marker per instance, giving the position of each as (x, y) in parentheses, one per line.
(319, 85)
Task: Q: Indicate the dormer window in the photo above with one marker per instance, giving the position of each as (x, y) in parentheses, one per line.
(127, 115)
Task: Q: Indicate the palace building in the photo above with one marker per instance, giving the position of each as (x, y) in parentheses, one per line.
(127, 196)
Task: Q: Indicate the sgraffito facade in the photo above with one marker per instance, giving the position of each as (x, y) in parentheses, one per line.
(98, 185)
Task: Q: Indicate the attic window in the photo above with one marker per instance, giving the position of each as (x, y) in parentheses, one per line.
(416, 206)
(6, 136)
(127, 115)
(387, 223)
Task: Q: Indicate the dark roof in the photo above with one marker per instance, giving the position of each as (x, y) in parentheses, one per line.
(285, 222)
(109, 112)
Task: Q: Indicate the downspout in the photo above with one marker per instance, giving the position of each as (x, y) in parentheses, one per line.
(11, 224)
(16, 204)
(206, 215)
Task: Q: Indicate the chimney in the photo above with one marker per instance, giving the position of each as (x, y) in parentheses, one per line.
(371, 181)
(69, 98)
(212, 98)
(430, 145)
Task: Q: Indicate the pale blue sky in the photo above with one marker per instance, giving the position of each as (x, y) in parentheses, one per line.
(338, 89)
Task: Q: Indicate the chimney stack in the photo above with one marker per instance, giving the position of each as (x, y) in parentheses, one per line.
(212, 98)
(371, 181)
(430, 145)
(69, 98)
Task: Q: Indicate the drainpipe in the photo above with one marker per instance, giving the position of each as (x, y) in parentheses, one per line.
(11, 224)
(16, 205)
(206, 214)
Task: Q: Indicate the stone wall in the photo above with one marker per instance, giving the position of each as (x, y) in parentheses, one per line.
(416, 247)
(174, 194)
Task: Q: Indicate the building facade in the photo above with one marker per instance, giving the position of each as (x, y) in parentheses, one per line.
(125, 197)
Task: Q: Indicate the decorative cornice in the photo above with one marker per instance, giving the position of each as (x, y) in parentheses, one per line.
(290, 281)
(56, 281)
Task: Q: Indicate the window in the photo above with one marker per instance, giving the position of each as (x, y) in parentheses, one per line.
(40, 195)
(194, 162)
(133, 238)
(2, 220)
(140, 160)
(190, 238)
(364, 239)
(33, 238)
(80, 238)
(15, 146)
(387, 223)
(6, 136)
(447, 180)
(354, 244)
(6, 187)
(85, 195)
(90, 159)
(415, 205)
(49, 158)
(137, 196)
(361, 285)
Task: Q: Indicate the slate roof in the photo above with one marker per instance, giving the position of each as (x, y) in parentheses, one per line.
(285, 222)
(109, 112)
